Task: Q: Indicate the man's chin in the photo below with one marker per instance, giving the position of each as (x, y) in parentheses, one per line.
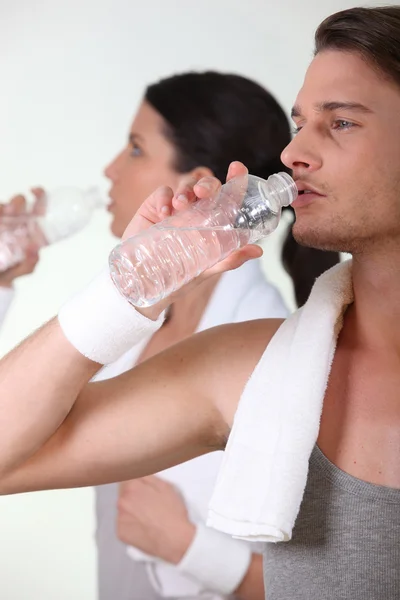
(318, 238)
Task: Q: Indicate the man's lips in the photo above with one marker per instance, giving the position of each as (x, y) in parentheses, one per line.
(307, 194)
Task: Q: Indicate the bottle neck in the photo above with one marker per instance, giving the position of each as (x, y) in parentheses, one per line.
(280, 189)
(94, 198)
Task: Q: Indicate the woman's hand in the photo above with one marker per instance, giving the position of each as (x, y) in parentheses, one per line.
(17, 207)
(153, 517)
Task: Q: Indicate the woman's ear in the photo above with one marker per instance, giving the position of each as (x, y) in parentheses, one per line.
(199, 172)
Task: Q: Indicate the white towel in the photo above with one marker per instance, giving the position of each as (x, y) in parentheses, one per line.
(264, 472)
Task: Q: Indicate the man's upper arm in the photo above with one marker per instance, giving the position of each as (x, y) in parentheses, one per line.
(169, 409)
(142, 421)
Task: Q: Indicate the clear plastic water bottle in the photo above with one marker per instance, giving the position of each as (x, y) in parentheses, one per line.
(154, 263)
(67, 210)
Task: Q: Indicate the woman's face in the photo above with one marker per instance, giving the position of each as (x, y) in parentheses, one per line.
(144, 164)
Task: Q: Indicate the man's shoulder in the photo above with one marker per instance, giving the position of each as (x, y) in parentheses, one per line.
(227, 355)
(235, 345)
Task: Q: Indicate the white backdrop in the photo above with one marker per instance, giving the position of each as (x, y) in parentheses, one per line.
(72, 75)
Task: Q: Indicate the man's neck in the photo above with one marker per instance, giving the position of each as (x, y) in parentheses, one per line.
(376, 309)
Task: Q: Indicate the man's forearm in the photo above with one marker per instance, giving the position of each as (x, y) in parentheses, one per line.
(39, 381)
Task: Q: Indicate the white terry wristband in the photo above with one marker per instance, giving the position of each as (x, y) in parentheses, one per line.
(216, 560)
(101, 324)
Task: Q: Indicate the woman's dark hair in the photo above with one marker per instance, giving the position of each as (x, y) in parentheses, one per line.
(372, 33)
(213, 118)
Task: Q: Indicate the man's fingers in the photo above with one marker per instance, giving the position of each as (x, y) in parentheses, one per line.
(207, 187)
(236, 169)
(156, 208)
(184, 193)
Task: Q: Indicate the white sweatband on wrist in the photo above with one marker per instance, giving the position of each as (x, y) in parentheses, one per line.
(101, 324)
(216, 560)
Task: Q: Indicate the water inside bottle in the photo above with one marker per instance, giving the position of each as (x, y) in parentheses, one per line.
(158, 265)
(16, 234)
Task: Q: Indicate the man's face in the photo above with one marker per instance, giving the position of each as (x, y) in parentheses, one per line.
(347, 149)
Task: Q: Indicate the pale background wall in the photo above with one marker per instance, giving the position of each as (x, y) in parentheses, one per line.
(72, 75)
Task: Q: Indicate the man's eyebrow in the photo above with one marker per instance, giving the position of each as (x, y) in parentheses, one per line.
(333, 105)
(296, 111)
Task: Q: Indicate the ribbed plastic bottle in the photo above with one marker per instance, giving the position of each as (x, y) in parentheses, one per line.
(67, 210)
(158, 261)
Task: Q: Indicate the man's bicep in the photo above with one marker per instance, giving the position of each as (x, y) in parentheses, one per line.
(169, 409)
(143, 421)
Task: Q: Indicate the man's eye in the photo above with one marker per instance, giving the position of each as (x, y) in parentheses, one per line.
(342, 124)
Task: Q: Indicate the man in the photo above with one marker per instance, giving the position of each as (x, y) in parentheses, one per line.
(60, 432)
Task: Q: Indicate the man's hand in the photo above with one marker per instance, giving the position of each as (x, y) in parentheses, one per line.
(163, 202)
(152, 517)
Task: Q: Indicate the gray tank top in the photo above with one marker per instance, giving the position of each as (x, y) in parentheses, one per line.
(345, 545)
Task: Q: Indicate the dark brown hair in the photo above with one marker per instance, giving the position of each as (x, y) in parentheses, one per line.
(372, 33)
